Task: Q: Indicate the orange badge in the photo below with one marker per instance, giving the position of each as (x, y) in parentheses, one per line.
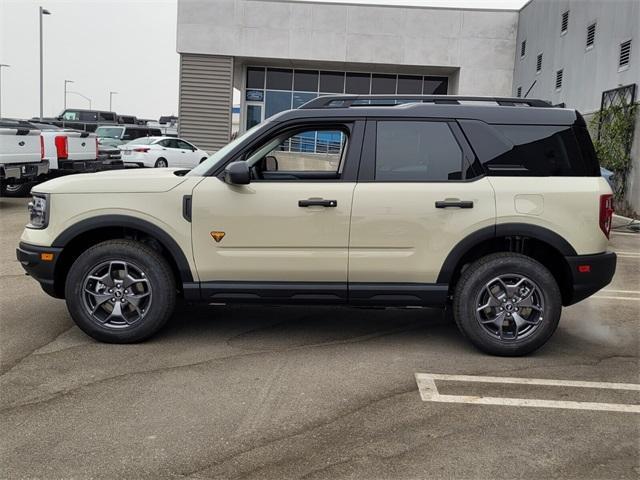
(217, 236)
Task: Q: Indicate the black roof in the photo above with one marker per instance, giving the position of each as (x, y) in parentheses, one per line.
(494, 110)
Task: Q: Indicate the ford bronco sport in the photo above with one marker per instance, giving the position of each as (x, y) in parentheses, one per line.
(492, 206)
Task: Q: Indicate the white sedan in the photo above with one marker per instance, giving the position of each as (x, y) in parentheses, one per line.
(162, 152)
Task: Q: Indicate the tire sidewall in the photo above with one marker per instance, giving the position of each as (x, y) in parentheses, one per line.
(162, 288)
(474, 281)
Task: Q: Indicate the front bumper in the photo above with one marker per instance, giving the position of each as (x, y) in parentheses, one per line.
(589, 273)
(31, 259)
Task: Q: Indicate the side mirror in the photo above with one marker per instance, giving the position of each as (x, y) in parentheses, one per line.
(237, 173)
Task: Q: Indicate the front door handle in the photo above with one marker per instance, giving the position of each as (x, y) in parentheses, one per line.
(454, 204)
(317, 202)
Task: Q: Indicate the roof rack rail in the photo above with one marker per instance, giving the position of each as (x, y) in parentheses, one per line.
(345, 101)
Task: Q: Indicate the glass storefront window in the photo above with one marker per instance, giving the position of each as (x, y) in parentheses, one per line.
(383, 84)
(305, 80)
(435, 85)
(357, 83)
(254, 115)
(332, 82)
(409, 85)
(276, 102)
(279, 79)
(300, 98)
(255, 77)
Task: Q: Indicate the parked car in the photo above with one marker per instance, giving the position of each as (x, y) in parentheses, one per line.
(21, 155)
(162, 152)
(81, 119)
(116, 135)
(480, 207)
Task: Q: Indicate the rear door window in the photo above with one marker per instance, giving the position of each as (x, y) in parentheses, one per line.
(417, 151)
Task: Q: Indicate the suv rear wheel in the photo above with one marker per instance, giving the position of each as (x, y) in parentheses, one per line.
(120, 291)
(507, 304)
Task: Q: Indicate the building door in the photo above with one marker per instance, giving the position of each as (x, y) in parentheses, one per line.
(255, 114)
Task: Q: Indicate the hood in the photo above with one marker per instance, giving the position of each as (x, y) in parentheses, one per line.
(138, 180)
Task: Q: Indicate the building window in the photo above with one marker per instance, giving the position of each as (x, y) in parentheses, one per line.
(559, 75)
(564, 25)
(383, 84)
(255, 77)
(279, 79)
(523, 48)
(539, 63)
(358, 83)
(409, 85)
(591, 36)
(519, 92)
(305, 80)
(625, 54)
(435, 86)
(332, 82)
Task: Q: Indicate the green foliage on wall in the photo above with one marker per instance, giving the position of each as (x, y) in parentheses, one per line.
(613, 144)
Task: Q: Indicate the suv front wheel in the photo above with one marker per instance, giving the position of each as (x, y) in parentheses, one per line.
(120, 291)
(507, 304)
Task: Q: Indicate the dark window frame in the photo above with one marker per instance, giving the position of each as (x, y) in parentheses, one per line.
(539, 59)
(624, 58)
(564, 22)
(591, 36)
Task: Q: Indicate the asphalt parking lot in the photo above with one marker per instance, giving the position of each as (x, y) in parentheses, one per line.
(298, 392)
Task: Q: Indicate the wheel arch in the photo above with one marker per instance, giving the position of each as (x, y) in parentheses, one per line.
(539, 243)
(91, 231)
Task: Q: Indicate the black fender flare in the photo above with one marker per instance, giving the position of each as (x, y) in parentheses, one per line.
(496, 231)
(105, 221)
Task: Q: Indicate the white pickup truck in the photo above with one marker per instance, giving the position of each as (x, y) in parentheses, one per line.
(66, 151)
(21, 154)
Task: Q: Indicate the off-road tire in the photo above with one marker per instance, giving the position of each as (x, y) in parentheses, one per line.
(473, 281)
(157, 272)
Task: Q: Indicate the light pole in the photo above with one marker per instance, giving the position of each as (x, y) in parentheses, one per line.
(7, 66)
(65, 92)
(111, 94)
(83, 96)
(42, 11)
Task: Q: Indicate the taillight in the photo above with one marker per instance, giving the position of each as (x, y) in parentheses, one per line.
(41, 148)
(606, 213)
(141, 149)
(97, 148)
(62, 147)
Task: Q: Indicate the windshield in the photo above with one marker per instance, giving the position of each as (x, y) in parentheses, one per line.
(214, 159)
(109, 132)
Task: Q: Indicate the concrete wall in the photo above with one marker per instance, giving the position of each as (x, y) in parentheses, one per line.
(480, 43)
(587, 73)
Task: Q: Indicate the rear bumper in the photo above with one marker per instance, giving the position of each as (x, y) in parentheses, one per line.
(25, 172)
(31, 260)
(589, 273)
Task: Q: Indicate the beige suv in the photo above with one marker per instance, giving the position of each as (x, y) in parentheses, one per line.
(493, 207)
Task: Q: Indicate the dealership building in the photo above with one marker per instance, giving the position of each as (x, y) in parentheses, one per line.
(280, 54)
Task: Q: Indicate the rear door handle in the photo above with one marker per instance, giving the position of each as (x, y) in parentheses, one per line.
(454, 204)
(317, 202)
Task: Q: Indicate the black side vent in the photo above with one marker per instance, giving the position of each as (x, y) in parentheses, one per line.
(591, 35)
(539, 63)
(186, 208)
(565, 22)
(519, 92)
(559, 75)
(523, 48)
(625, 53)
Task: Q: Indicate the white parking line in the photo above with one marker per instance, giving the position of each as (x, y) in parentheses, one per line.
(429, 392)
(613, 297)
(620, 291)
(626, 234)
(635, 254)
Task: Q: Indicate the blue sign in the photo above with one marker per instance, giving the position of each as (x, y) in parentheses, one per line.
(254, 96)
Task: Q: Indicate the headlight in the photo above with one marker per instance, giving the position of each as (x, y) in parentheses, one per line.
(39, 211)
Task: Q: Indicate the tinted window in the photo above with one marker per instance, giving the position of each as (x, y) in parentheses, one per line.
(417, 152)
(279, 78)
(88, 116)
(255, 79)
(383, 84)
(409, 85)
(357, 83)
(305, 81)
(184, 145)
(528, 150)
(435, 85)
(332, 82)
(277, 102)
(106, 117)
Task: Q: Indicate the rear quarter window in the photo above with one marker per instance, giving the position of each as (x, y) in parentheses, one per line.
(527, 150)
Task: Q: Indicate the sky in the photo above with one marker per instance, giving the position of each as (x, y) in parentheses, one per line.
(123, 46)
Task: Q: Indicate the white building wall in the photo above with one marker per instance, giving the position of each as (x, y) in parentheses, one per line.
(480, 43)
